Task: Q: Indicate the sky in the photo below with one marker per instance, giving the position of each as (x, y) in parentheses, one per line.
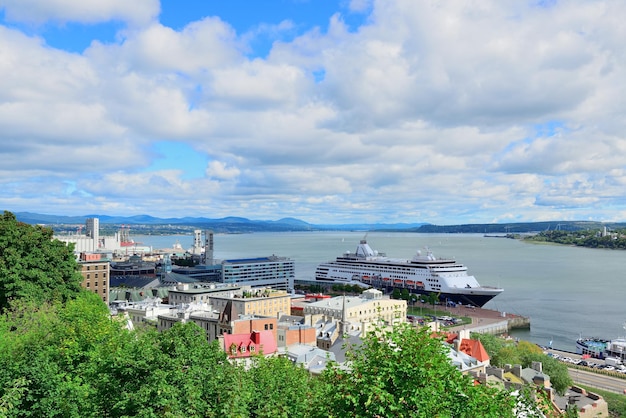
(329, 111)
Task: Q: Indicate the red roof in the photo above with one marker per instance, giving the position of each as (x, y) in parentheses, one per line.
(474, 348)
(245, 345)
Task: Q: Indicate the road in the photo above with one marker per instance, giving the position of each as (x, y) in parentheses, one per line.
(597, 380)
(591, 378)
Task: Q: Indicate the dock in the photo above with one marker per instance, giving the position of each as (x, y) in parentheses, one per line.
(487, 321)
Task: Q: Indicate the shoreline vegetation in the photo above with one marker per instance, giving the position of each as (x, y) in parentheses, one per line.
(607, 239)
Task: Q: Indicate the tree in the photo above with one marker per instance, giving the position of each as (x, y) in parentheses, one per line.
(558, 371)
(33, 266)
(405, 373)
(278, 388)
(46, 352)
(432, 298)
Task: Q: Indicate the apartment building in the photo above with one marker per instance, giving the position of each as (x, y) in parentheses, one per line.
(95, 270)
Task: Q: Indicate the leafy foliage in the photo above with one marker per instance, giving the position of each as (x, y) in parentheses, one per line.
(406, 373)
(33, 266)
(616, 239)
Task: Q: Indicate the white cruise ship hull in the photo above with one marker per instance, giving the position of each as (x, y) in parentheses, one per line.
(421, 275)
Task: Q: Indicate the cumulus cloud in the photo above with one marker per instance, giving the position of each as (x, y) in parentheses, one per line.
(429, 111)
(220, 171)
(83, 11)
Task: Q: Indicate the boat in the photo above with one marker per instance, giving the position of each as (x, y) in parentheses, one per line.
(602, 348)
(593, 347)
(423, 274)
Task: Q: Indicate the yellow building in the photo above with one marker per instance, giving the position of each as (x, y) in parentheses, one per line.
(262, 302)
(358, 312)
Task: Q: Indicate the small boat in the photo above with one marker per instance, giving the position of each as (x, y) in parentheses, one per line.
(410, 282)
(397, 281)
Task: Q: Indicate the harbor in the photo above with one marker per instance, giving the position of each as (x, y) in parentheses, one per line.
(487, 321)
(541, 283)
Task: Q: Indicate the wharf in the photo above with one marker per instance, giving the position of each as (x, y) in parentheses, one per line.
(487, 321)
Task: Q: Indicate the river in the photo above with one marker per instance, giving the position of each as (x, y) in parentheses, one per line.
(566, 291)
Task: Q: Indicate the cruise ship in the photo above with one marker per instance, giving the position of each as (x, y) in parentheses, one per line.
(423, 274)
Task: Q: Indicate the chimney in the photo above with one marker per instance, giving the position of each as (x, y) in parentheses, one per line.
(255, 336)
(537, 366)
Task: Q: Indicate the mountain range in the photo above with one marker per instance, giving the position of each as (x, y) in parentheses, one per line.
(229, 224)
(232, 224)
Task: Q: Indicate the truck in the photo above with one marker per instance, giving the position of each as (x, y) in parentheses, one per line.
(615, 362)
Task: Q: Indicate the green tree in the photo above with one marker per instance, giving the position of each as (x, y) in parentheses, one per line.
(173, 373)
(405, 373)
(33, 266)
(432, 298)
(281, 389)
(45, 351)
(558, 372)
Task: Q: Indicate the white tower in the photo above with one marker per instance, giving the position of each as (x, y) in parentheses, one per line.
(197, 242)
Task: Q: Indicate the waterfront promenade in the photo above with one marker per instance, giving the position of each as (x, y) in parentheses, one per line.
(487, 321)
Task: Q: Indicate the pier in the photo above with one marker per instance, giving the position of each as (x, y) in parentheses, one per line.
(487, 321)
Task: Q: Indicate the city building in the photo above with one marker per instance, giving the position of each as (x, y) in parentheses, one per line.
(275, 272)
(261, 302)
(202, 292)
(243, 346)
(293, 331)
(95, 271)
(313, 359)
(145, 311)
(359, 313)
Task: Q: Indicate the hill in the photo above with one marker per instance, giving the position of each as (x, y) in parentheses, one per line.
(146, 224)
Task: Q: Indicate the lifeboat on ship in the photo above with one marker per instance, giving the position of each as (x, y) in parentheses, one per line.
(397, 281)
(410, 282)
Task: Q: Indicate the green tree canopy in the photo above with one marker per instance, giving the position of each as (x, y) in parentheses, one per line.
(33, 266)
(406, 373)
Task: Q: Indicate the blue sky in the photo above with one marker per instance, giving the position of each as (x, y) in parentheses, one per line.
(328, 111)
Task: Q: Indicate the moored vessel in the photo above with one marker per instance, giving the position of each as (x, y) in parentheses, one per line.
(593, 347)
(423, 274)
(601, 348)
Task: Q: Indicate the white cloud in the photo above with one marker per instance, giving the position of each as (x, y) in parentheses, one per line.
(85, 11)
(220, 171)
(431, 111)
